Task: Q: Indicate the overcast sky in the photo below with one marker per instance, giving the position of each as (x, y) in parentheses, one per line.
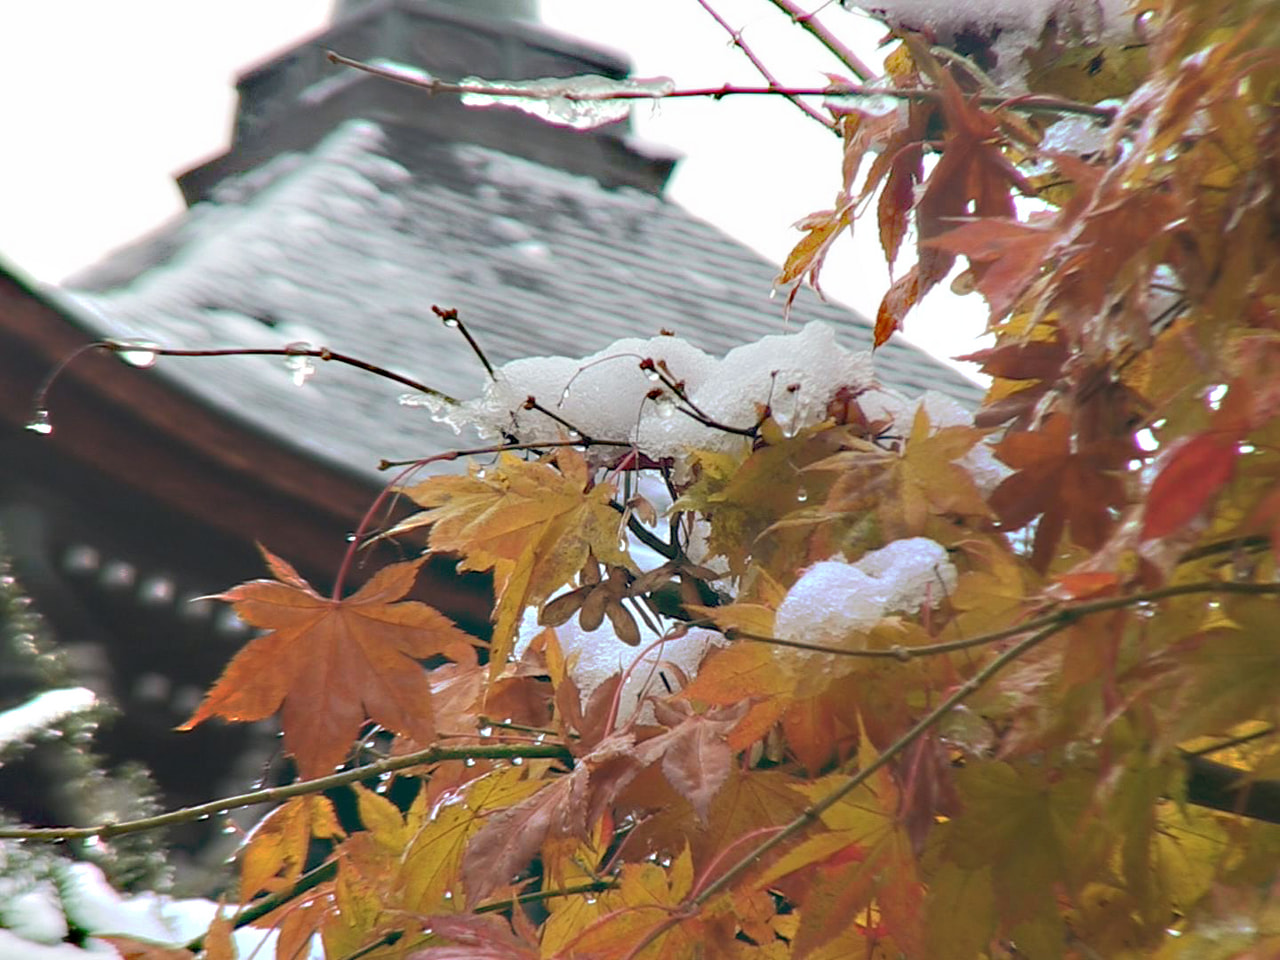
(104, 102)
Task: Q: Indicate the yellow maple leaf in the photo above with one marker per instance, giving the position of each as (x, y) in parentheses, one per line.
(531, 522)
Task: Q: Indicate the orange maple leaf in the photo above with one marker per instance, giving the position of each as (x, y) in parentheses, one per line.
(327, 665)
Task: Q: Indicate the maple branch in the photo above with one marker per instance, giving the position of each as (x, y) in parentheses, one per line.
(811, 814)
(809, 23)
(532, 751)
(741, 44)
(320, 353)
(531, 403)
(499, 448)
(497, 906)
(691, 409)
(1045, 628)
(1029, 104)
(260, 908)
(449, 317)
(1067, 614)
(645, 535)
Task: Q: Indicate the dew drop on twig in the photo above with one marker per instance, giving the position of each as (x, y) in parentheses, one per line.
(139, 353)
(39, 423)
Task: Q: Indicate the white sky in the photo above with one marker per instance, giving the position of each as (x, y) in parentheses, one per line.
(104, 101)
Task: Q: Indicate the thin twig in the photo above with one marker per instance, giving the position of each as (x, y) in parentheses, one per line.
(531, 403)
(501, 448)
(1032, 104)
(449, 316)
(645, 535)
(320, 353)
(1231, 742)
(762, 67)
(549, 751)
(809, 22)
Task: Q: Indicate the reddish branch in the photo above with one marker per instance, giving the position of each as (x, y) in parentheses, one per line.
(736, 34)
(1027, 104)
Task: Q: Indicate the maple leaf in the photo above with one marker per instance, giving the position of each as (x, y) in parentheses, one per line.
(534, 525)
(277, 851)
(328, 665)
(1061, 485)
(130, 949)
(695, 755)
(567, 806)
(475, 937)
(1191, 472)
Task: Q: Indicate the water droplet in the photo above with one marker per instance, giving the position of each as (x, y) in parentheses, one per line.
(93, 843)
(203, 816)
(666, 405)
(413, 400)
(517, 761)
(39, 423)
(486, 731)
(773, 293)
(590, 899)
(564, 394)
(802, 495)
(448, 894)
(351, 538)
(469, 762)
(451, 321)
(138, 353)
(301, 369)
(228, 828)
(654, 376)
(540, 738)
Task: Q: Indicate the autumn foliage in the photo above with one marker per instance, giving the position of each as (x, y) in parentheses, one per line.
(1013, 769)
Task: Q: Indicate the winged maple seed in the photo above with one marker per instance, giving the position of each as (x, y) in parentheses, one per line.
(328, 665)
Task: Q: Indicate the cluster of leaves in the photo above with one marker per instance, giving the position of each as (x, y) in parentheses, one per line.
(1006, 773)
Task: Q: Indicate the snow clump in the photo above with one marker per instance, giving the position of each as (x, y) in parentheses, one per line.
(607, 395)
(1013, 26)
(834, 598)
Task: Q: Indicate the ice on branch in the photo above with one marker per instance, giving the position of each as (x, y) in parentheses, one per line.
(835, 598)
(611, 395)
(579, 102)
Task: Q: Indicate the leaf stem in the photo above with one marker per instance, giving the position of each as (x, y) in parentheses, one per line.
(551, 751)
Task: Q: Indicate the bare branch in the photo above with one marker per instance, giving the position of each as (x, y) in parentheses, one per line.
(809, 22)
(760, 65)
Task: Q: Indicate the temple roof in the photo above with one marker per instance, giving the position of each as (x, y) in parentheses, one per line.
(348, 244)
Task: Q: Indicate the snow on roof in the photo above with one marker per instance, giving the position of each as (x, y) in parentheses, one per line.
(347, 245)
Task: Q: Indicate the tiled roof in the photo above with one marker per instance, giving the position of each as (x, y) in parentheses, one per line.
(349, 243)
